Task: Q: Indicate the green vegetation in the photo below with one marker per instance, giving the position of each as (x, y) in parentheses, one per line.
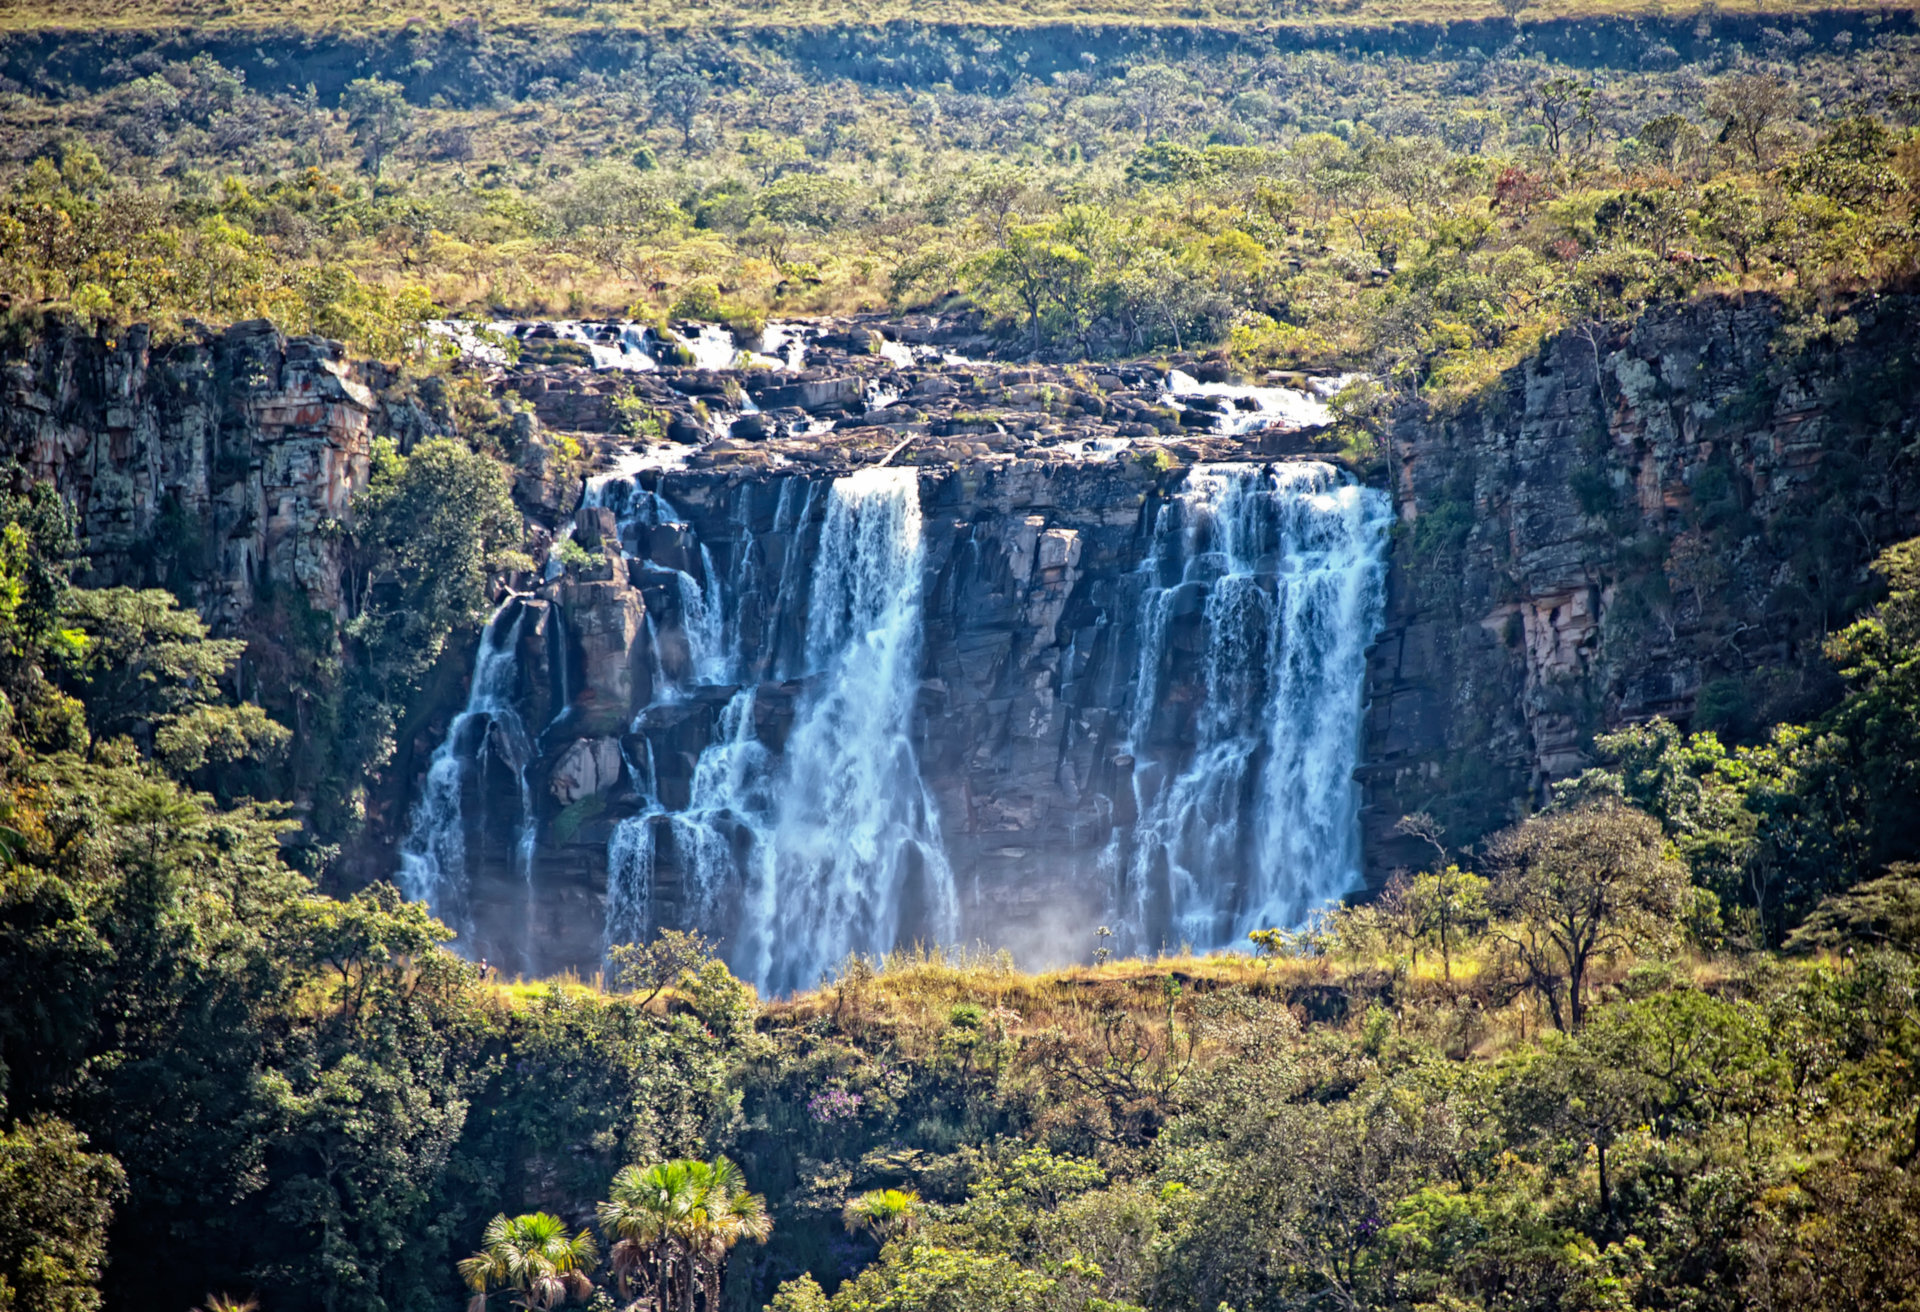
(574, 15)
(1567, 1069)
(1587, 1095)
(1656, 1046)
(1431, 218)
(1771, 828)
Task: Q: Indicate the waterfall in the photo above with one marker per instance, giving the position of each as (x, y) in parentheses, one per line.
(638, 511)
(834, 847)
(1256, 824)
(732, 800)
(777, 800)
(433, 856)
(710, 345)
(1250, 409)
(859, 865)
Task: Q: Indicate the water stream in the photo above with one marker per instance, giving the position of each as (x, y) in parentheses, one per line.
(834, 847)
(433, 856)
(794, 821)
(1247, 803)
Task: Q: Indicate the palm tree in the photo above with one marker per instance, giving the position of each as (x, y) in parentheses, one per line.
(882, 1213)
(675, 1222)
(228, 1303)
(534, 1257)
(728, 1215)
(646, 1213)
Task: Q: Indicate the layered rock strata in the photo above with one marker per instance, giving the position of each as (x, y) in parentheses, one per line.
(1665, 520)
(218, 464)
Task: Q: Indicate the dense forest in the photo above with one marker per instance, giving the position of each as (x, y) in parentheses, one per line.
(1431, 217)
(1653, 1044)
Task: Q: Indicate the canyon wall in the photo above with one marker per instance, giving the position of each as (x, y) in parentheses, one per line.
(1665, 520)
(220, 465)
(1662, 520)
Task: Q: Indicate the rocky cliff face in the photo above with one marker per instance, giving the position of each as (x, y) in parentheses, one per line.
(1661, 521)
(1664, 521)
(220, 465)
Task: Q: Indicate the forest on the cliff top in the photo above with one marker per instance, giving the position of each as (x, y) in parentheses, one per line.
(1654, 1046)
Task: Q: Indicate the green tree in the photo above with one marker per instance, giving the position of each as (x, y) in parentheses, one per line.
(35, 553)
(1446, 904)
(646, 1212)
(1883, 911)
(1581, 884)
(729, 1215)
(1870, 743)
(148, 669)
(379, 115)
(805, 200)
(1563, 104)
(934, 1278)
(533, 1260)
(676, 1223)
(800, 1294)
(56, 1199)
(1021, 273)
(1695, 787)
(882, 1213)
(430, 529)
(1748, 105)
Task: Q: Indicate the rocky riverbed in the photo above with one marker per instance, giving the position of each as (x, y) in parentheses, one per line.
(838, 394)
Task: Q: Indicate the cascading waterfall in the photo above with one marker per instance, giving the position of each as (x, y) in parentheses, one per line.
(751, 630)
(1257, 826)
(787, 813)
(638, 511)
(835, 847)
(433, 857)
(859, 864)
(729, 810)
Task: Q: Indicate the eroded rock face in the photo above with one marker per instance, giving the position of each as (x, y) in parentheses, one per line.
(1665, 521)
(217, 464)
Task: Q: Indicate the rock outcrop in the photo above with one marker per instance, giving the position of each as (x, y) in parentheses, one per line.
(220, 465)
(1662, 521)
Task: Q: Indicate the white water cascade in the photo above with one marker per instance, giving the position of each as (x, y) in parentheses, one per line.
(638, 512)
(433, 856)
(777, 799)
(720, 829)
(1256, 825)
(835, 847)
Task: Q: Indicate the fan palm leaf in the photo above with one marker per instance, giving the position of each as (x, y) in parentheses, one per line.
(532, 1256)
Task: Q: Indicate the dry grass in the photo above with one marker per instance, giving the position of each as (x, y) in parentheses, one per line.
(521, 992)
(905, 1002)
